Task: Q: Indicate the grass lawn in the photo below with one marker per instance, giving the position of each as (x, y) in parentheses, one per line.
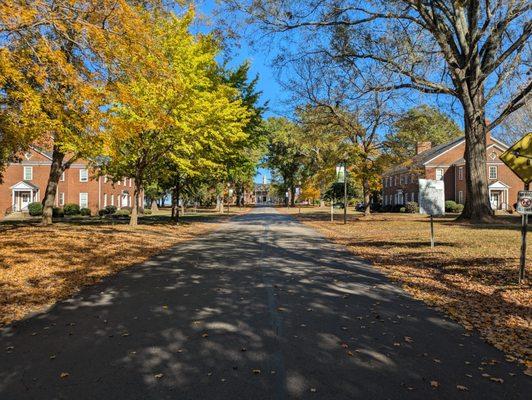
(40, 265)
(471, 274)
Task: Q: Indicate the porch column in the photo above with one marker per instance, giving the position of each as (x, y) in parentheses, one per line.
(13, 200)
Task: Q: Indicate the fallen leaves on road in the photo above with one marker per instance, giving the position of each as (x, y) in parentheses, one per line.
(471, 274)
(462, 388)
(40, 265)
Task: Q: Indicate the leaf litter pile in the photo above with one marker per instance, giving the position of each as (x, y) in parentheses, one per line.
(471, 274)
(41, 265)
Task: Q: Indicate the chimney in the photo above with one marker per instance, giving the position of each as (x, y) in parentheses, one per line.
(423, 146)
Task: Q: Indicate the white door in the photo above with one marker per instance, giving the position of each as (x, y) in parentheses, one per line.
(495, 201)
(25, 199)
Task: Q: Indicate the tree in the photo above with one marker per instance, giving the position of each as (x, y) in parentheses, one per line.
(474, 51)
(176, 118)
(54, 52)
(419, 124)
(284, 155)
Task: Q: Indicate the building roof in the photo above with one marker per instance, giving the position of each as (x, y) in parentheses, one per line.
(23, 185)
(419, 159)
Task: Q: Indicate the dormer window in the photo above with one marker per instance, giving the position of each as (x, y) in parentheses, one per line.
(28, 155)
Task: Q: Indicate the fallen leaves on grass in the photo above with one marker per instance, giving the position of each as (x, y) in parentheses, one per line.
(471, 274)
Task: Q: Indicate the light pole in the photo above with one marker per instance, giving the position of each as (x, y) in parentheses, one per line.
(345, 192)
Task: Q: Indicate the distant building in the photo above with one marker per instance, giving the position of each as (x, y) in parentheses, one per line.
(446, 162)
(261, 193)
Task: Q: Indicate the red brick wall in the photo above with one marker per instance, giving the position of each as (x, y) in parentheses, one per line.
(453, 185)
(96, 188)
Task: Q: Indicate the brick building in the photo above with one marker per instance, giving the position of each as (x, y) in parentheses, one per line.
(446, 162)
(25, 182)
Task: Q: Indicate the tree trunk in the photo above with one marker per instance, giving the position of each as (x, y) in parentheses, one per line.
(477, 207)
(292, 196)
(133, 221)
(177, 194)
(56, 170)
(367, 198)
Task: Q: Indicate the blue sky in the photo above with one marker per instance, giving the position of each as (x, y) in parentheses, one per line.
(261, 66)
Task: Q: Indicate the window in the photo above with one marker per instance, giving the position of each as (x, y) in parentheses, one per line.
(461, 197)
(62, 199)
(105, 200)
(125, 181)
(439, 174)
(493, 172)
(460, 173)
(63, 176)
(83, 175)
(395, 180)
(105, 179)
(129, 182)
(28, 173)
(84, 200)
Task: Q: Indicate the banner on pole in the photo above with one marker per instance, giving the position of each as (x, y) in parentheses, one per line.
(340, 174)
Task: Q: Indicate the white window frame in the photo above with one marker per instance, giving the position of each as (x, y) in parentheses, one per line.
(62, 179)
(26, 169)
(105, 199)
(105, 179)
(112, 199)
(62, 198)
(460, 173)
(83, 175)
(460, 197)
(493, 168)
(395, 180)
(442, 171)
(129, 182)
(84, 205)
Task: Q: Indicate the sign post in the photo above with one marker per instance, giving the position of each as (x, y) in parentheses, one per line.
(519, 159)
(431, 201)
(524, 207)
(341, 177)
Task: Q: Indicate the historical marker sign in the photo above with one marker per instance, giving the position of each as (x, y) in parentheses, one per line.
(524, 202)
(431, 197)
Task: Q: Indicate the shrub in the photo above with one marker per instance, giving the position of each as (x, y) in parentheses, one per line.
(35, 209)
(412, 207)
(127, 209)
(71, 209)
(102, 212)
(450, 206)
(122, 212)
(459, 208)
(58, 212)
(402, 209)
(85, 211)
(147, 212)
(110, 209)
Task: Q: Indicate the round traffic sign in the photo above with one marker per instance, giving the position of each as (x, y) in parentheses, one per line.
(526, 202)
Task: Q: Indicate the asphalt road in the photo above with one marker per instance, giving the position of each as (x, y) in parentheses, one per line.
(262, 308)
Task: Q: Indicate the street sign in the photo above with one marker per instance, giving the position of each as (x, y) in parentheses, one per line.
(524, 202)
(340, 174)
(519, 158)
(431, 197)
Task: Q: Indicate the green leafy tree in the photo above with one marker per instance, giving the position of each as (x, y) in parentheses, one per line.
(285, 156)
(419, 124)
